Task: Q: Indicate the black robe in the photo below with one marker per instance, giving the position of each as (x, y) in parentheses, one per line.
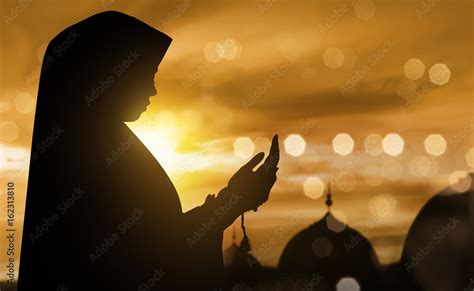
(117, 221)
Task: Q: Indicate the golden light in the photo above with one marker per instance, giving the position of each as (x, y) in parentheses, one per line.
(346, 183)
(40, 51)
(191, 118)
(313, 187)
(161, 136)
(343, 144)
(347, 284)
(439, 74)
(373, 175)
(9, 131)
(5, 105)
(435, 144)
(25, 103)
(382, 205)
(295, 145)
(288, 45)
(406, 89)
(470, 157)
(423, 166)
(350, 58)
(231, 49)
(309, 162)
(460, 181)
(262, 144)
(373, 144)
(333, 58)
(14, 159)
(364, 9)
(244, 147)
(393, 144)
(414, 69)
(213, 52)
(392, 170)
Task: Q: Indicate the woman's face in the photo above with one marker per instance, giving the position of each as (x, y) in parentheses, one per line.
(135, 91)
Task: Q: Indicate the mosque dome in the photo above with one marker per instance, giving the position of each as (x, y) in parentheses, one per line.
(333, 251)
(437, 254)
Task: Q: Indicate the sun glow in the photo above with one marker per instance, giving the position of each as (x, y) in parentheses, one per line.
(161, 135)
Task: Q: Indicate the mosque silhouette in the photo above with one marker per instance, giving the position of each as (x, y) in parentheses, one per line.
(330, 255)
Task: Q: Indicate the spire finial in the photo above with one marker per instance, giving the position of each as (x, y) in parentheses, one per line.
(328, 198)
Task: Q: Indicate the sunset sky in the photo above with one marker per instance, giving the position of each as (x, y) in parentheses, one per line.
(335, 77)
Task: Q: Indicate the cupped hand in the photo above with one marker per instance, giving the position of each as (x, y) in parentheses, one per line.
(255, 186)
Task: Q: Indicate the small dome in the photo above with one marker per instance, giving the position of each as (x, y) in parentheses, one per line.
(240, 266)
(331, 253)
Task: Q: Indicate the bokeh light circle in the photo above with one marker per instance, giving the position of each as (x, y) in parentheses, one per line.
(460, 181)
(333, 58)
(414, 69)
(439, 74)
(295, 145)
(393, 144)
(322, 247)
(313, 187)
(343, 144)
(244, 147)
(347, 284)
(373, 144)
(435, 144)
(9, 131)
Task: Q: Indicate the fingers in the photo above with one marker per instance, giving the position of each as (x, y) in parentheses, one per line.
(271, 162)
(254, 161)
(274, 155)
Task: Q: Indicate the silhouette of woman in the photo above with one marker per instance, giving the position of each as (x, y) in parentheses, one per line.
(101, 213)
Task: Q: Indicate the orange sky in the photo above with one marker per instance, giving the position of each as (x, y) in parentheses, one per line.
(254, 68)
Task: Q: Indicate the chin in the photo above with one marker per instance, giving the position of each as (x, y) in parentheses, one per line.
(133, 116)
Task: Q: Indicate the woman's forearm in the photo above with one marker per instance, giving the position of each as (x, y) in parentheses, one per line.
(218, 212)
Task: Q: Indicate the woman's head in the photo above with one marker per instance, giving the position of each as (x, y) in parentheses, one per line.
(100, 69)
